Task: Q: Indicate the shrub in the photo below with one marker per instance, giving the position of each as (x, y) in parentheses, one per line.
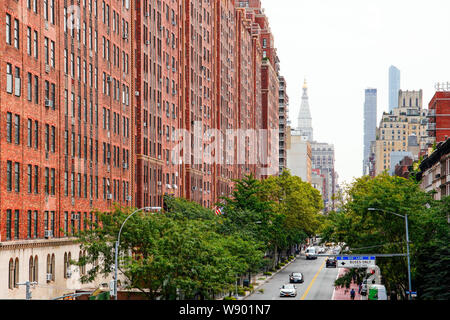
(229, 298)
(267, 273)
(261, 290)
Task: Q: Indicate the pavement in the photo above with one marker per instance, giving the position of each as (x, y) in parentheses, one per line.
(344, 293)
(318, 284)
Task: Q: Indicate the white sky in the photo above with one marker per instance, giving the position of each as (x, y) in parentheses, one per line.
(343, 47)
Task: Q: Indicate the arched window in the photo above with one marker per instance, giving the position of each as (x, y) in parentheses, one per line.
(49, 269)
(53, 267)
(82, 267)
(31, 269)
(16, 273)
(65, 265)
(36, 269)
(11, 274)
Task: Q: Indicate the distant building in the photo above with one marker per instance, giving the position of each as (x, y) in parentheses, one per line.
(403, 168)
(370, 125)
(323, 159)
(299, 156)
(396, 128)
(394, 87)
(396, 157)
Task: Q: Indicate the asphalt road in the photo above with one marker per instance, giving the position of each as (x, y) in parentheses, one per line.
(318, 284)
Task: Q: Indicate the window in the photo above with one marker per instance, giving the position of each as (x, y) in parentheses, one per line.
(35, 45)
(29, 223)
(16, 34)
(17, 129)
(29, 41)
(11, 274)
(9, 127)
(16, 224)
(17, 83)
(8, 224)
(8, 29)
(17, 176)
(36, 179)
(30, 178)
(9, 78)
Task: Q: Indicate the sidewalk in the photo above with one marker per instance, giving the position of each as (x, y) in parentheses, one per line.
(344, 293)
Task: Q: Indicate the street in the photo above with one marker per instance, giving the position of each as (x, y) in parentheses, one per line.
(318, 284)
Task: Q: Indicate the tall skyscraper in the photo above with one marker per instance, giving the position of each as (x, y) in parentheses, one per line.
(394, 87)
(304, 117)
(370, 125)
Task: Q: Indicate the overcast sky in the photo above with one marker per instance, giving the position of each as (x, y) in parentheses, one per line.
(343, 47)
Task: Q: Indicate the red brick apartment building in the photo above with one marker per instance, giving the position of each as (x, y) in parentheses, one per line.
(439, 116)
(65, 114)
(92, 95)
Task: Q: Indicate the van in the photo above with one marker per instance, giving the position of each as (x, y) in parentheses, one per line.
(377, 292)
(310, 253)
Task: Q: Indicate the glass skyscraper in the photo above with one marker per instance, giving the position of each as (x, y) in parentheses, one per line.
(394, 87)
(370, 124)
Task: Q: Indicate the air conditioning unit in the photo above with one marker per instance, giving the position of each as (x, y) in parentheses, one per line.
(46, 155)
(125, 165)
(128, 198)
(69, 274)
(175, 186)
(147, 42)
(49, 277)
(125, 36)
(46, 25)
(109, 196)
(73, 121)
(108, 78)
(168, 186)
(48, 234)
(47, 68)
(48, 103)
(147, 14)
(159, 183)
(75, 216)
(194, 188)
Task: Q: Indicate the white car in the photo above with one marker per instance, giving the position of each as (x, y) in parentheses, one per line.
(310, 253)
(288, 290)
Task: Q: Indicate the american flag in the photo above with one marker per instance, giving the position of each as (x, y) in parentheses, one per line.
(219, 211)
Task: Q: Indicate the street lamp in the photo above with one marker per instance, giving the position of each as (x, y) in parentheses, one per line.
(407, 243)
(116, 251)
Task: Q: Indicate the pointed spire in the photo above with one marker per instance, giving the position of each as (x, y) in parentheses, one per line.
(304, 116)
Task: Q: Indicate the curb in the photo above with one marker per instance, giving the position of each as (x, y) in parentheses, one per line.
(267, 279)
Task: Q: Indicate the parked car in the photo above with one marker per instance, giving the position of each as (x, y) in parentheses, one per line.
(331, 262)
(288, 290)
(296, 277)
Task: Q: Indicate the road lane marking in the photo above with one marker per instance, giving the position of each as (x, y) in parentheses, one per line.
(312, 281)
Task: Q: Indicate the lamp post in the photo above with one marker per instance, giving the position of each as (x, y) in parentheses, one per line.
(407, 244)
(116, 251)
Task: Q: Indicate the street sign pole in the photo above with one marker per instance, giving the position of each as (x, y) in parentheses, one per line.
(407, 251)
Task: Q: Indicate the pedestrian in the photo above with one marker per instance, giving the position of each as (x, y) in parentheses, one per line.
(352, 294)
(359, 289)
